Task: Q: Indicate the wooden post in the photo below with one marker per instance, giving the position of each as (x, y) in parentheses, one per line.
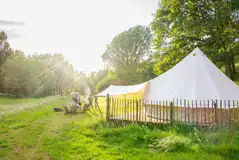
(137, 111)
(215, 112)
(151, 111)
(229, 113)
(233, 114)
(204, 113)
(107, 108)
(192, 114)
(125, 108)
(185, 114)
(157, 114)
(140, 110)
(171, 112)
(208, 117)
(160, 113)
(221, 113)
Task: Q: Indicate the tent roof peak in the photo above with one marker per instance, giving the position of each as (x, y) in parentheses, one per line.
(197, 51)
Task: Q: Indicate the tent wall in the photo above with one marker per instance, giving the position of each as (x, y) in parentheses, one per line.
(193, 78)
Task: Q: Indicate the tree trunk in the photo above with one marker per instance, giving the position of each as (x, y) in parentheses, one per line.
(228, 67)
(233, 65)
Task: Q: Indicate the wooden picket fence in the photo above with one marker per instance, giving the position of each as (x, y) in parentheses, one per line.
(196, 113)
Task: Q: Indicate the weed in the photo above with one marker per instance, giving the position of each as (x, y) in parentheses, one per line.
(171, 143)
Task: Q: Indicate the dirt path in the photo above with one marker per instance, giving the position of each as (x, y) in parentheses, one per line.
(6, 109)
(23, 136)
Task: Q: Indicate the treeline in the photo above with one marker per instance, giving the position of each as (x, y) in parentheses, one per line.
(49, 74)
(135, 55)
(34, 75)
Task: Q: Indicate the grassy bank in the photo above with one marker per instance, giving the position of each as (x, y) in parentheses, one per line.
(40, 133)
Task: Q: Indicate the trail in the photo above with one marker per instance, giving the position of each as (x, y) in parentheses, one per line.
(29, 131)
(6, 109)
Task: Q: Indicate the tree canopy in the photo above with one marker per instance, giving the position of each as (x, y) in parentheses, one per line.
(179, 26)
(127, 52)
(5, 49)
(36, 75)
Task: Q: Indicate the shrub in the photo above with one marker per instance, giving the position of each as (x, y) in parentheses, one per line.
(171, 143)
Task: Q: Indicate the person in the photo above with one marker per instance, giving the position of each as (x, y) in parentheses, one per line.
(74, 98)
(90, 99)
(79, 101)
(74, 104)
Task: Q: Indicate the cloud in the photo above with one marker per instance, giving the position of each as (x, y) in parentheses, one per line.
(12, 23)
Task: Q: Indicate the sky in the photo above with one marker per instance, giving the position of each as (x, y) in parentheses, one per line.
(79, 29)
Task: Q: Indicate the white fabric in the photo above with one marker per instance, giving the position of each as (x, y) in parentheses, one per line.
(194, 78)
(114, 90)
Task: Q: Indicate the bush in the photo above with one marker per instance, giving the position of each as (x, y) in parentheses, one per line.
(171, 143)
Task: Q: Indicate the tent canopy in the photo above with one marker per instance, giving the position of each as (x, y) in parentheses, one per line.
(194, 78)
(114, 90)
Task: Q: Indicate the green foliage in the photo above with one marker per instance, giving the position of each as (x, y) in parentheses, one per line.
(5, 52)
(94, 79)
(180, 26)
(5, 49)
(80, 83)
(128, 53)
(171, 143)
(106, 82)
(37, 75)
(16, 75)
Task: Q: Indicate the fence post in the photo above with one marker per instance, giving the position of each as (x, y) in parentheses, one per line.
(216, 115)
(107, 108)
(229, 113)
(137, 111)
(171, 112)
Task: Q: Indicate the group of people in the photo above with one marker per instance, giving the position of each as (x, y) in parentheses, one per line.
(76, 102)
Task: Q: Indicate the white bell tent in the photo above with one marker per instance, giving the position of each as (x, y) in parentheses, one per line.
(193, 78)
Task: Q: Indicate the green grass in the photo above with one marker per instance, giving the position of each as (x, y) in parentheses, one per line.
(39, 133)
(12, 100)
(12, 105)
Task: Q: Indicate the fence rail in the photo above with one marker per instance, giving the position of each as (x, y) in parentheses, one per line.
(197, 113)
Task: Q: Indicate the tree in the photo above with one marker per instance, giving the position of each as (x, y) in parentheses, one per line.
(127, 51)
(93, 80)
(180, 26)
(107, 80)
(37, 75)
(16, 75)
(5, 52)
(5, 49)
(80, 83)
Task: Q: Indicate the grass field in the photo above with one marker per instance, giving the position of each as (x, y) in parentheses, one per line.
(38, 133)
(12, 105)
